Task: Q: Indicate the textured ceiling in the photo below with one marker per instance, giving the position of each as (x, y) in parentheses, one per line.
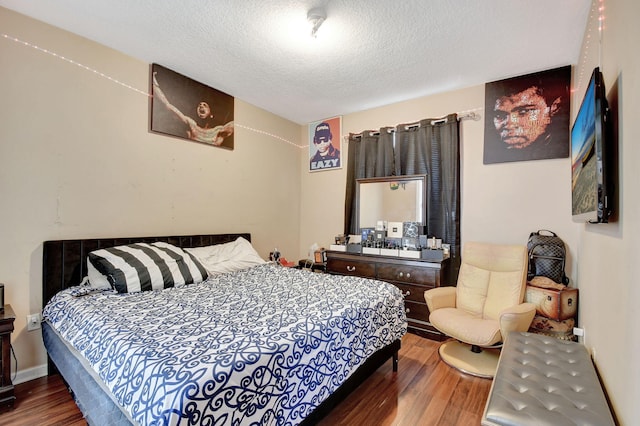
(367, 53)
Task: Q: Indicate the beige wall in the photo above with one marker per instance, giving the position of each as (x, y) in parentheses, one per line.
(77, 161)
(608, 253)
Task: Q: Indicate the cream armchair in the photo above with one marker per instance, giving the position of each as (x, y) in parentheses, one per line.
(483, 308)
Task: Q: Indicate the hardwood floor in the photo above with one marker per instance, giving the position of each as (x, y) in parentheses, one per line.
(44, 401)
(424, 391)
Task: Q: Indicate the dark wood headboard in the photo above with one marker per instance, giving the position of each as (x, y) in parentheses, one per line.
(64, 262)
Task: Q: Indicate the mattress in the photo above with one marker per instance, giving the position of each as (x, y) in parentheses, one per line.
(266, 345)
(89, 392)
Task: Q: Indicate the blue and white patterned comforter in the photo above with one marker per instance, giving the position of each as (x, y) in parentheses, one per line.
(261, 346)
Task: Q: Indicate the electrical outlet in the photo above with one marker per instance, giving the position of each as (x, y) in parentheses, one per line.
(33, 322)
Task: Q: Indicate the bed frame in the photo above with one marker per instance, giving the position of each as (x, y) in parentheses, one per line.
(65, 264)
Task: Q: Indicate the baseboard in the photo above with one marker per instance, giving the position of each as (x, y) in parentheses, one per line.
(30, 374)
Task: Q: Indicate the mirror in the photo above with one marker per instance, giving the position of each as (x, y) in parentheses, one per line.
(392, 199)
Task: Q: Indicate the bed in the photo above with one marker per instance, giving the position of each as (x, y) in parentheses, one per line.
(261, 344)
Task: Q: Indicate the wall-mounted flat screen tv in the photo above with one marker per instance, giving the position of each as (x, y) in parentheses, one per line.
(591, 156)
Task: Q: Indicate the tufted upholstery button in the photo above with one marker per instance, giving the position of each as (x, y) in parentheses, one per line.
(545, 381)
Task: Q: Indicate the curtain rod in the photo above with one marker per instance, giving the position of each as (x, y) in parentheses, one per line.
(471, 114)
(463, 115)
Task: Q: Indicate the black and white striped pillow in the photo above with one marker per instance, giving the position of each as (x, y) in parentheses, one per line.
(142, 267)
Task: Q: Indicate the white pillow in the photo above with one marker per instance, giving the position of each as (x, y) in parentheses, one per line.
(227, 257)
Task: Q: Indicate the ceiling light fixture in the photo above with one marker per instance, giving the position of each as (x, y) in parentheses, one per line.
(316, 17)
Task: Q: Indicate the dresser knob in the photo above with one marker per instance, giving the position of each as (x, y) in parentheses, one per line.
(400, 275)
(407, 310)
(408, 275)
(351, 268)
(407, 293)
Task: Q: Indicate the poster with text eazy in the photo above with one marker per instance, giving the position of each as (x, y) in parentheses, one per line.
(324, 144)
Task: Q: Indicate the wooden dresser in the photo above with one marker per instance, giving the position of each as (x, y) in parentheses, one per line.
(411, 276)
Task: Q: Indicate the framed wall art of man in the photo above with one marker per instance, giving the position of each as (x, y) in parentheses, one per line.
(187, 109)
(527, 117)
(324, 144)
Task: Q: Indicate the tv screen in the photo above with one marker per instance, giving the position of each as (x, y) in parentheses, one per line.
(591, 156)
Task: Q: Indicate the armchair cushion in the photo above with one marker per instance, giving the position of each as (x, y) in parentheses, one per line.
(440, 297)
(517, 318)
(466, 327)
(492, 277)
(488, 297)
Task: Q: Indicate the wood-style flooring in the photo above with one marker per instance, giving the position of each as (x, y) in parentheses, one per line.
(424, 391)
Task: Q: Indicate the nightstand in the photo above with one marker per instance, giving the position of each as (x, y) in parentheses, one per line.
(7, 318)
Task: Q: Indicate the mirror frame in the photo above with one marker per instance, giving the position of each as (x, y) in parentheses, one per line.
(399, 179)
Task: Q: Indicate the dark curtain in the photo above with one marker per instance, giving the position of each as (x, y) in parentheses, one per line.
(432, 147)
(370, 154)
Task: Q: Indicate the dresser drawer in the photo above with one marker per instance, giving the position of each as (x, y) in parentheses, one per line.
(412, 292)
(408, 274)
(350, 267)
(416, 310)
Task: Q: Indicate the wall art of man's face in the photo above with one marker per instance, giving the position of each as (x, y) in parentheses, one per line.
(522, 118)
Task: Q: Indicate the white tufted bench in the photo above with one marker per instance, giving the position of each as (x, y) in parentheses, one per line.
(542, 380)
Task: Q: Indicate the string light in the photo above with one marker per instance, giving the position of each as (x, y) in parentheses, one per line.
(262, 132)
(600, 30)
(71, 61)
(103, 75)
(597, 10)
